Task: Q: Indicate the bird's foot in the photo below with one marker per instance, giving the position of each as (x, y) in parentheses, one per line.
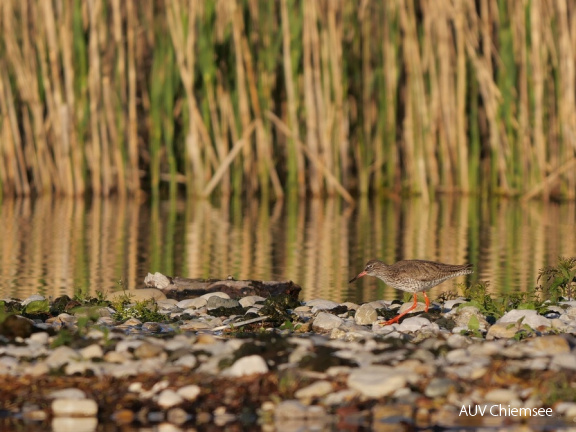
(391, 321)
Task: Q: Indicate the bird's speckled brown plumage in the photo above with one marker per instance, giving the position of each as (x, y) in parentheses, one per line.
(413, 276)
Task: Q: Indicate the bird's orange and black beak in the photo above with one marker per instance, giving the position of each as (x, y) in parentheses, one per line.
(362, 273)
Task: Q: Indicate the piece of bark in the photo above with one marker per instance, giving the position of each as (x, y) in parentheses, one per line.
(182, 288)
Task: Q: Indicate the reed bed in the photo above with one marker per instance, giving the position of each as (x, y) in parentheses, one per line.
(288, 97)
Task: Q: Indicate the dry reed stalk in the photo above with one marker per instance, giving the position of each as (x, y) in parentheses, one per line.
(14, 158)
(316, 162)
(312, 144)
(295, 158)
(459, 20)
(567, 102)
(415, 104)
(243, 98)
(537, 77)
(227, 160)
(340, 138)
(391, 67)
(132, 121)
(319, 89)
(184, 40)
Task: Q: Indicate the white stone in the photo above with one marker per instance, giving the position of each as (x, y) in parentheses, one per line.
(60, 356)
(321, 304)
(377, 381)
(414, 324)
(41, 338)
(250, 300)
(528, 316)
(74, 424)
(189, 392)
(67, 393)
(92, 351)
(217, 294)
(193, 303)
(564, 360)
(317, 389)
(450, 304)
(74, 407)
(420, 307)
(248, 365)
(156, 280)
(32, 298)
(326, 322)
(365, 314)
(501, 396)
(169, 398)
(188, 361)
(568, 409)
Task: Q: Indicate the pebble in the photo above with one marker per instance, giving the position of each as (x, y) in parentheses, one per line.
(325, 322)
(65, 407)
(315, 390)
(216, 302)
(248, 365)
(321, 304)
(528, 316)
(329, 360)
(439, 387)
(189, 392)
(365, 314)
(376, 381)
(169, 398)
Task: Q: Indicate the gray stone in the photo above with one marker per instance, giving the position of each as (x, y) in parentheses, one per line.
(365, 314)
(216, 302)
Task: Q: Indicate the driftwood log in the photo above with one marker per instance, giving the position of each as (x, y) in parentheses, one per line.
(182, 288)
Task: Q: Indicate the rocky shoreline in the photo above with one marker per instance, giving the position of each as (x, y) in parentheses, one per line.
(282, 364)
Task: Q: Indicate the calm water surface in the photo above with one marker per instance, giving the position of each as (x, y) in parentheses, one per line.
(56, 247)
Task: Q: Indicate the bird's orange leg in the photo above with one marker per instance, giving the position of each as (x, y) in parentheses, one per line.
(395, 319)
(427, 301)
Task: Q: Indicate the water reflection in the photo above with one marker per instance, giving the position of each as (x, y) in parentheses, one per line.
(56, 247)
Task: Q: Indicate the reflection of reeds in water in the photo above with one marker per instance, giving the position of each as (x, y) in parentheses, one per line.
(64, 246)
(256, 96)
